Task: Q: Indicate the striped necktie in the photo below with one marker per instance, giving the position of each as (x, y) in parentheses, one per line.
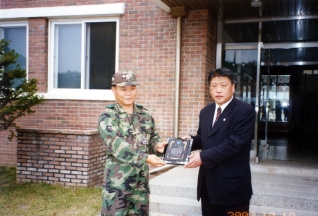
(218, 113)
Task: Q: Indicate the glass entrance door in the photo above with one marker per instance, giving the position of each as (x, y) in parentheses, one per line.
(269, 93)
(243, 62)
(277, 73)
(288, 96)
(274, 123)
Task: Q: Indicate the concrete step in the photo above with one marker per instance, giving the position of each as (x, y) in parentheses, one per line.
(177, 182)
(276, 191)
(174, 205)
(254, 211)
(285, 191)
(297, 183)
(272, 211)
(285, 167)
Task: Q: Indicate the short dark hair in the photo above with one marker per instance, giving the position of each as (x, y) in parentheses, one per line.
(222, 72)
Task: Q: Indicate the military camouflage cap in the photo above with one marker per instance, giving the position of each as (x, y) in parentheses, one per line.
(124, 78)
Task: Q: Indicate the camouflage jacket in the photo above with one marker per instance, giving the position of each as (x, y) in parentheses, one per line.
(129, 139)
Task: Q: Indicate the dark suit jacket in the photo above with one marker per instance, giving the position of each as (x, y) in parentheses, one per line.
(225, 153)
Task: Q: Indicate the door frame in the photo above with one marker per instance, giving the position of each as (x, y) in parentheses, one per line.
(258, 46)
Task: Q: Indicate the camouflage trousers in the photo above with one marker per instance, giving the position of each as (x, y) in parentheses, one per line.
(124, 203)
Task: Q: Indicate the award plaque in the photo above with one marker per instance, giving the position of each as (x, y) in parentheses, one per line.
(177, 151)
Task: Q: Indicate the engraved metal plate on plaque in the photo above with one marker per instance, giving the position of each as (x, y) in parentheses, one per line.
(177, 151)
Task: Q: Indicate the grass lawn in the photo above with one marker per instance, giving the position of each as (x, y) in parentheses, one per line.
(45, 199)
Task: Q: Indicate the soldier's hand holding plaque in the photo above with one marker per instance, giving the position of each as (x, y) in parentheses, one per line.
(177, 151)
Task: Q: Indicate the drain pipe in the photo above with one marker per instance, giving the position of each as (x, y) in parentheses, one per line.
(177, 79)
(177, 12)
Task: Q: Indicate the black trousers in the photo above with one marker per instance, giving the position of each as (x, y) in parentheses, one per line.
(210, 209)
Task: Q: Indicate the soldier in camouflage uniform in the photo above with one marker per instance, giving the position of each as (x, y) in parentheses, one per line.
(131, 141)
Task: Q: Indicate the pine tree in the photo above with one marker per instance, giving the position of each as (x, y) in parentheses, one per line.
(16, 98)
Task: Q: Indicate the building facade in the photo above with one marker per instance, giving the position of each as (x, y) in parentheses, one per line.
(63, 46)
(72, 47)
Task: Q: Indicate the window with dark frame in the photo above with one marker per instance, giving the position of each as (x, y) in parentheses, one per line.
(84, 61)
(16, 36)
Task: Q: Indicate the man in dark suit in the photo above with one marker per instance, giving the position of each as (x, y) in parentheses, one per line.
(224, 181)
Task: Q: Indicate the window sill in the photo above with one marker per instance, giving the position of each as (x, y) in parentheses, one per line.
(113, 9)
(71, 94)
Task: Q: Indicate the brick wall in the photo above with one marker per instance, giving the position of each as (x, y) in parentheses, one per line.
(38, 52)
(198, 58)
(211, 53)
(66, 157)
(65, 114)
(8, 150)
(147, 45)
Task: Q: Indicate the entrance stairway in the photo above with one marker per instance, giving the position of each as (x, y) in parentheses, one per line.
(281, 188)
